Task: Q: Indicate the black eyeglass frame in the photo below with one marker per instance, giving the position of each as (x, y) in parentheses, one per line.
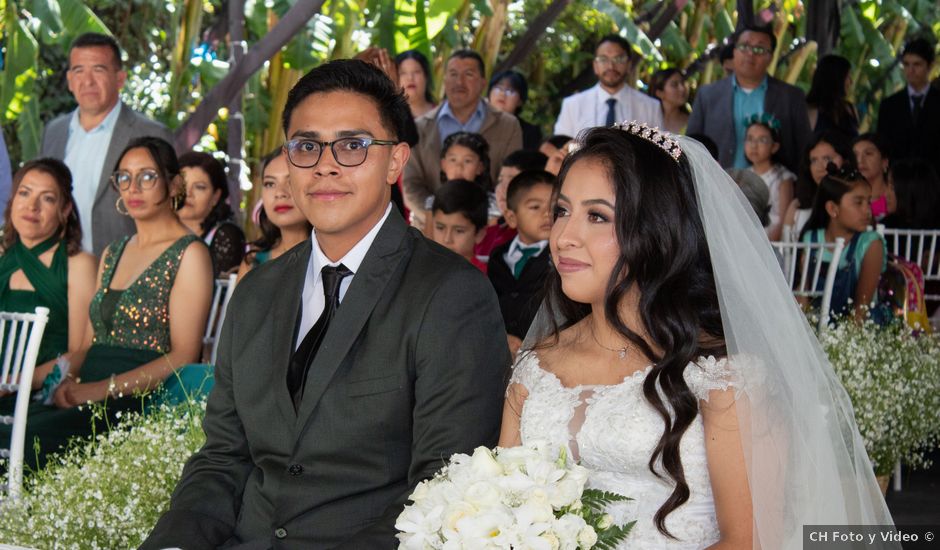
(367, 142)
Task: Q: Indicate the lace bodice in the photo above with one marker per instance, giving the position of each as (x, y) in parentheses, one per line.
(613, 431)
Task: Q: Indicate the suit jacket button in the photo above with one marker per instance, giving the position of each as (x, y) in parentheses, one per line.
(280, 533)
(295, 469)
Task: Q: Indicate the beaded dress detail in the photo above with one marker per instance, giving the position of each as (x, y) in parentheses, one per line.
(613, 430)
(137, 317)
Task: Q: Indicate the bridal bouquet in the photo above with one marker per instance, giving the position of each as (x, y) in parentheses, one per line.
(522, 497)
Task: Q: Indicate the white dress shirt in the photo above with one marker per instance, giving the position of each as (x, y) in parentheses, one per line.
(514, 254)
(84, 155)
(589, 108)
(313, 299)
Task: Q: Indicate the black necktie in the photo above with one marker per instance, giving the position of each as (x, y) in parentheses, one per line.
(611, 112)
(303, 356)
(918, 106)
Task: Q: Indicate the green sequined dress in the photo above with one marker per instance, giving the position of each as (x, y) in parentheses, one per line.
(131, 328)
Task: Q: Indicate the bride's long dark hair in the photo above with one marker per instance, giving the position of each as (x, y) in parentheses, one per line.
(664, 253)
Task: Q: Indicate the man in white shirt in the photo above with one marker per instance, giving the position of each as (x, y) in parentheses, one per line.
(91, 138)
(353, 363)
(611, 100)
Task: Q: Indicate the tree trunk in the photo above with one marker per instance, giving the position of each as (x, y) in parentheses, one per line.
(236, 120)
(527, 43)
(225, 91)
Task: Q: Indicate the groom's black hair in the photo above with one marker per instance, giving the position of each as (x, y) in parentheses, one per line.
(353, 75)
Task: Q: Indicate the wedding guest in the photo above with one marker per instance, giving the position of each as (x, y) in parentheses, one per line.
(459, 217)
(42, 263)
(91, 138)
(611, 99)
(463, 110)
(761, 144)
(207, 213)
(670, 360)
(913, 195)
(414, 76)
(823, 149)
(149, 312)
(871, 158)
(518, 268)
(841, 209)
(508, 93)
(669, 87)
(755, 191)
(498, 231)
(726, 59)
(827, 100)
(909, 120)
(283, 226)
(720, 108)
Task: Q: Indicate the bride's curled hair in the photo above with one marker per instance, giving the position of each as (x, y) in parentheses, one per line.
(664, 253)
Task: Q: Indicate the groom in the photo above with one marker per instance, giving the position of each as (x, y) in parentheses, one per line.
(353, 366)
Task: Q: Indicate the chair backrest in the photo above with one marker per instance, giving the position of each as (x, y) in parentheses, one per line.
(220, 298)
(802, 267)
(20, 336)
(918, 246)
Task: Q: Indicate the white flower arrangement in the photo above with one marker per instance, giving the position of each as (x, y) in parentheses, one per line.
(107, 492)
(526, 497)
(892, 377)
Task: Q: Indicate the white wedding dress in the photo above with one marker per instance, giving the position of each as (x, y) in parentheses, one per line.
(613, 430)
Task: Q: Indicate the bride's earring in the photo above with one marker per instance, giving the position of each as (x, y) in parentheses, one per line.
(118, 204)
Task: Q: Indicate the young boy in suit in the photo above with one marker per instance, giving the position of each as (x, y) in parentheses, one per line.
(518, 268)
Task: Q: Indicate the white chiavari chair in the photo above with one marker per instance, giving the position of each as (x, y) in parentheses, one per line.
(20, 335)
(802, 266)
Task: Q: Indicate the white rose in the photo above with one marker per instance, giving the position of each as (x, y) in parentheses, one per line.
(565, 492)
(567, 528)
(483, 494)
(605, 522)
(551, 539)
(587, 537)
(483, 464)
(454, 514)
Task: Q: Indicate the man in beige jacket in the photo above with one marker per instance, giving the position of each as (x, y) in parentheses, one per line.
(463, 110)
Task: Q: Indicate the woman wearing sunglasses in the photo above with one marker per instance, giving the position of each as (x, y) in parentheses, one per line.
(150, 309)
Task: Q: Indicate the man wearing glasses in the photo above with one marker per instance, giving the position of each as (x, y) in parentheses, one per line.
(91, 138)
(611, 100)
(352, 365)
(721, 108)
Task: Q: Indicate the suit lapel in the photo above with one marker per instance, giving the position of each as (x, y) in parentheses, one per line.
(284, 309)
(119, 138)
(367, 287)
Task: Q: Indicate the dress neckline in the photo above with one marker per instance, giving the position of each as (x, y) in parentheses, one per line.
(635, 375)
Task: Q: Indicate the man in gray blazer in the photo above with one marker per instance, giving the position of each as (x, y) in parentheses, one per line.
(720, 108)
(91, 138)
(463, 111)
(351, 367)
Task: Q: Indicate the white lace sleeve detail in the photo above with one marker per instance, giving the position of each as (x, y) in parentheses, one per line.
(525, 371)
(708, 374)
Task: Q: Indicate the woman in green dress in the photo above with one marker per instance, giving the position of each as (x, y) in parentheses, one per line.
(150, 309)
(42, 263)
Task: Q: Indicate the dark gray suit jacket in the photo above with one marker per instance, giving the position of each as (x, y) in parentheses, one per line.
(107, 224)
(412, 369)
(713, 115)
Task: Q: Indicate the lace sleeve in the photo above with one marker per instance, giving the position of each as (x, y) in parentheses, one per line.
(228, 248)
(708, 374)
(525, 371)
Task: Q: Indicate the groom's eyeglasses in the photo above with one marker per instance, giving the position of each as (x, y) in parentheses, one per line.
(351, 151)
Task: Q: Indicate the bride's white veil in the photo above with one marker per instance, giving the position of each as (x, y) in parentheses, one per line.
(806, 462)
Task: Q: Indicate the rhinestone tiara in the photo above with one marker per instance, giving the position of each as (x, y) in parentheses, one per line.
(653, 134)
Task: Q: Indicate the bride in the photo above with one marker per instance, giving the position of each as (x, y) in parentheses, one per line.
(671, 359)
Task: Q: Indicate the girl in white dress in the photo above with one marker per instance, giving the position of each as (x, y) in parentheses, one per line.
(655, 363)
